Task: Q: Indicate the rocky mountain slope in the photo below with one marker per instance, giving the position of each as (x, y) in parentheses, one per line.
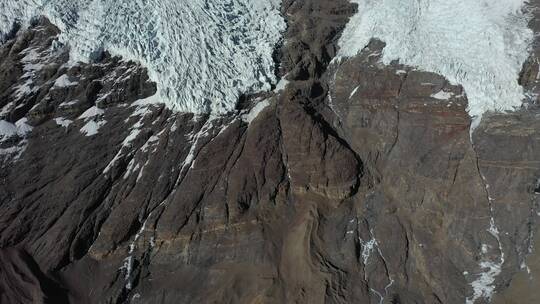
(351, 182)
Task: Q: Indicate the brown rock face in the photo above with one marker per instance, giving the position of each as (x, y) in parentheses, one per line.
(353, 185)
(21, 280)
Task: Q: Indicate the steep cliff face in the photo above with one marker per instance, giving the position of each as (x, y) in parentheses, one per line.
(351, 182)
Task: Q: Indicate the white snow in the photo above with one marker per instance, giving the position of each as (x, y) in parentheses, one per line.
(7, 129)
(63, 81)
(63, 122)
(14, 151)
(21, 128)
(129, 260)
(146, 101)
(480, 44)
(484, 284)
(127, 144)
(367, 248)
(92, 112)
(150, 142)
(91, 128)
(24, 89)
(131, 137)
(194, 138)
(7, 108)
(255, 111)
(66, 104)
(32, 63)
(93, 119)
(113, 161)
(201, 53)
(132, 167)
(442, 95)
(282, 84)
(140, 111)
(353, 92)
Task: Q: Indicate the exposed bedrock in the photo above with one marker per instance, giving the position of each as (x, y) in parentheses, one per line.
(357, 183)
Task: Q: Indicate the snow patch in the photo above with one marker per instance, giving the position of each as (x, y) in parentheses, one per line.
(127, 143)
(442, 95)
(128, 264)
(92, 127)
(189, 161)
(367, 248)
(63, 82)
(480, 44)
(21, 128)
(63, 122)
(93, 119)
(484, 285)
(67, 104)
(255, 111)
(282, 84)
(131, 168)
(7, 129)
(353, 92)
(14, 151)
(6, 109)
(32, 64)
(154, 99)
(150, 142)
(92, 112)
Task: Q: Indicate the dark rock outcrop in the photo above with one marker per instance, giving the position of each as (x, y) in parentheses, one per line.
(21, 280)
(353, 185)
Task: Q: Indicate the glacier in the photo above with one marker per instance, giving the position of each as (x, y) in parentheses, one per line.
(479, 44)
(203, 54)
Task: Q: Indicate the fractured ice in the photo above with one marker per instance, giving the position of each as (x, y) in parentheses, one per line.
(480, 44)
(203, 54)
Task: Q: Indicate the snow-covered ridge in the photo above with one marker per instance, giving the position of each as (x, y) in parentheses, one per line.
(201, 53)
(480, 44)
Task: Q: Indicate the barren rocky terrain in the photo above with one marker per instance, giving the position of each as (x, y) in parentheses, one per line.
(352, 184)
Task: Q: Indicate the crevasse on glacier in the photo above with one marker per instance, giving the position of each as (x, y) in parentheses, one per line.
(480, 44)
(202, 53)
